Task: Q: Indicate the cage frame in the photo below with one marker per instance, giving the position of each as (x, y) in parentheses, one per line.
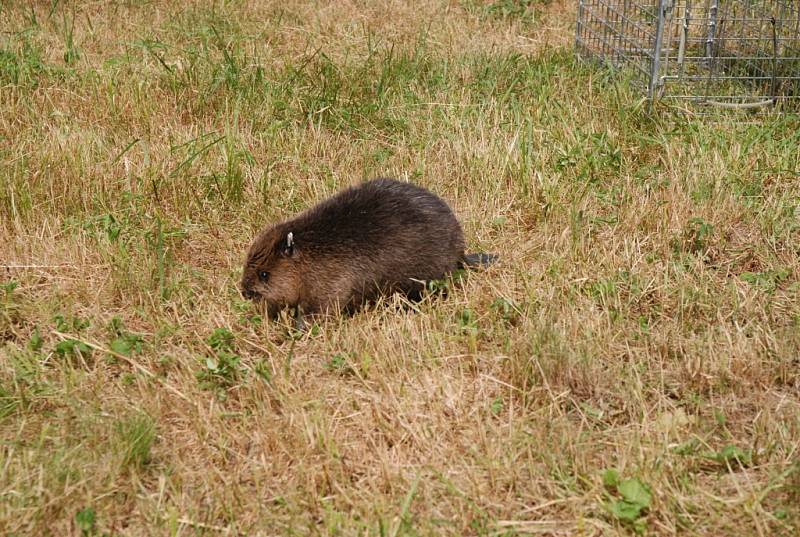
(751, 48)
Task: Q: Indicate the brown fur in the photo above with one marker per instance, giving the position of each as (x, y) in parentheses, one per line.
(380, 237)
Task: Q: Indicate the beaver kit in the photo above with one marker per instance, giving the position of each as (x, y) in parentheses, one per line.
(377, 238)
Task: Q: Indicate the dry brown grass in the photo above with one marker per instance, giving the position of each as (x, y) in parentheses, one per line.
(643, 317)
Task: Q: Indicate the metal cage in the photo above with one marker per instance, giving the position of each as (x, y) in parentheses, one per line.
(729, 53)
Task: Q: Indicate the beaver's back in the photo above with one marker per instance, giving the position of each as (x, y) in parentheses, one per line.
(380, 236)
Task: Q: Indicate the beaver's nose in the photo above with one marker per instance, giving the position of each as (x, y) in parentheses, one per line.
(249, 294)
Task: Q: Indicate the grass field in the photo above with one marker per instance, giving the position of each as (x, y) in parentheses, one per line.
(631, 365)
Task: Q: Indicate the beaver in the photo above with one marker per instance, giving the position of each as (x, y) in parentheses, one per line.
(380, 237)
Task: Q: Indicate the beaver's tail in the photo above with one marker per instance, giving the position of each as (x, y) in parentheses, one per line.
(478, 260)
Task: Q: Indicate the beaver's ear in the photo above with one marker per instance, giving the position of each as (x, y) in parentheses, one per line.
(287, 249)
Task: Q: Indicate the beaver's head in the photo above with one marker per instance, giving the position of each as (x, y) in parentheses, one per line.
(271, 276)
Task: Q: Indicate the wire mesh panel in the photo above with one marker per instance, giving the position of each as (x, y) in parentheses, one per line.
(734, 53)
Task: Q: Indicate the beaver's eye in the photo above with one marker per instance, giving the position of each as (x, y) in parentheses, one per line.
(264, 275)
